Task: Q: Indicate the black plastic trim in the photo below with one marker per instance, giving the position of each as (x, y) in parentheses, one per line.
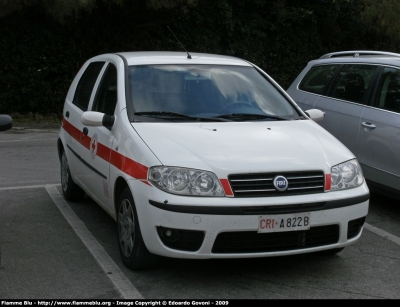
(308, 207)
(87, 164)
(128, 94)
(372, 88)
(108, 121)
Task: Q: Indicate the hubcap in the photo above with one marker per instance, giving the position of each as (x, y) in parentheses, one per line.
(64, 172)
(126, 227)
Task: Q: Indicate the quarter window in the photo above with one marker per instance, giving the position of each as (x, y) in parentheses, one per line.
(86, 84)
(317, 78)
(388, 91)
(352, 82)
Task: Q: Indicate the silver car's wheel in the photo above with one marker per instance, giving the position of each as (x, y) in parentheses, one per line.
(70, 190)
(133, 251)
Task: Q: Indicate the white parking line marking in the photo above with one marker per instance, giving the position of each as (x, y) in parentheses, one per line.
(27, 187)
(382, 233)
(117, 277)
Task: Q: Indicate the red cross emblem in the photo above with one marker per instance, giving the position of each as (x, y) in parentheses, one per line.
(93, 146)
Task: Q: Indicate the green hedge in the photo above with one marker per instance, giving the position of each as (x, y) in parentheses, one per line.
(40, 56)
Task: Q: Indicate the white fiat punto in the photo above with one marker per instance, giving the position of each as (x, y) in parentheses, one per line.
(205, 156)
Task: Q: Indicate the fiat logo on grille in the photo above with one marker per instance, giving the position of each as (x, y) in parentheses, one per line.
(280, 183)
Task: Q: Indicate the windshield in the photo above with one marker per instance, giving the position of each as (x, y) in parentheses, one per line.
(205, 91)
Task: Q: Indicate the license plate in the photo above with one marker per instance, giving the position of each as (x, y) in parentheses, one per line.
(284, 222)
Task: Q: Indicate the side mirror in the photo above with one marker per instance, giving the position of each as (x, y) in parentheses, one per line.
(96, 119)
(6, 122)
(315, 114)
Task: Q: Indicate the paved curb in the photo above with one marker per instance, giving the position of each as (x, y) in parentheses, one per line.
(36, 126)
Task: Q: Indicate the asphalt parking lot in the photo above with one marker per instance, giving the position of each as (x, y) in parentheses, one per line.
(53, 249)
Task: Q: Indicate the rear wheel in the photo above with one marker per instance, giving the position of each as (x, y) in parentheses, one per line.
(133, 251)
(71, 191)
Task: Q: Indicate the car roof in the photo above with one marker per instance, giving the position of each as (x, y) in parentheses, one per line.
(358, 53)
(359, 56)
(171, 57)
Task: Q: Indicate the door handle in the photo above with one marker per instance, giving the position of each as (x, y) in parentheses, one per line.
(85, 131)
(368, 125)
(67, 114)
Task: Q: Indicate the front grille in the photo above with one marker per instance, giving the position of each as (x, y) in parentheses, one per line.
(261, 185)
(254, 242)
(184, 240)
(354, 227)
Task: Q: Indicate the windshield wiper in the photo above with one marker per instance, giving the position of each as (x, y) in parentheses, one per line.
(170, 115)
(249, 116)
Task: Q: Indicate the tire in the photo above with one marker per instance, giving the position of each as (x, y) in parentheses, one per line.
(332, 251)
(71, 191)
(133, 251)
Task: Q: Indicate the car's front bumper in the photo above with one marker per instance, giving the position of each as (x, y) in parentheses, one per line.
(225, 227)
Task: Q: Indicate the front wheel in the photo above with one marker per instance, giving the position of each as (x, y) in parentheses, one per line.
(70, 189)
(133, 251)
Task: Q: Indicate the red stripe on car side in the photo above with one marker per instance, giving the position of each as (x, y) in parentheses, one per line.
(328, 182)
(126, 165)
(103, 152)
(123, 163)
(76, 133)
(227, 187)
(146, 182)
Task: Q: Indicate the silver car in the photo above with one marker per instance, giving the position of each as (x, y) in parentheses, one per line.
(359, 92)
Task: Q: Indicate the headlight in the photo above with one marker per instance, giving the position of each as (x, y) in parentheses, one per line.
(346, 175)
(185, 181)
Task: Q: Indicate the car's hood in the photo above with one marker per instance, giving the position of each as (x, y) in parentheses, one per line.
(244, 147)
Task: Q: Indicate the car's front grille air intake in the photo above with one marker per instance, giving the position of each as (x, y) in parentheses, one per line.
(354, 227)
(243, 242)
(261, 185)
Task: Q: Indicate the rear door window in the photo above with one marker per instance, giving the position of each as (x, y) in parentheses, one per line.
(352, 82)
(388, 92)
(317, 78)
